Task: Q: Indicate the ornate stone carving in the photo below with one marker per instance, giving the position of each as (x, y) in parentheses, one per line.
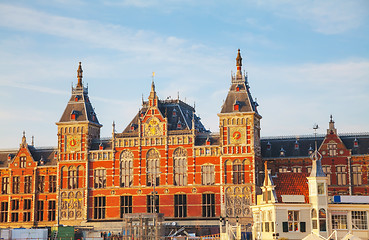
(238, 201)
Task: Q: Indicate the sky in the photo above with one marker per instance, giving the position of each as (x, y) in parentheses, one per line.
(305, 60)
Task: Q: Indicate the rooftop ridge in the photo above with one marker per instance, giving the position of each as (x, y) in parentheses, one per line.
(312, 135)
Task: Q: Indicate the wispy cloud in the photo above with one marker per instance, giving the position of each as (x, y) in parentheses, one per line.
(327, 17)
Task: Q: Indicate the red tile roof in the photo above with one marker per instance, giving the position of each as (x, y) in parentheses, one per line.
(291, 184)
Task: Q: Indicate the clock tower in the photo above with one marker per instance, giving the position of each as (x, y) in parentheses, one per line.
(239, 123)
(77, 128)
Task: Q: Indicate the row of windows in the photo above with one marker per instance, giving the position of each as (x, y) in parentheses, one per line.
(71, 130)
(153, 141)
(26, 213)
(153, 205)
(341, 173)
(16, 184)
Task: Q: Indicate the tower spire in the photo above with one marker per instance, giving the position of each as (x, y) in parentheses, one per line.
(79, 76)
(239, 63)
(153, 99)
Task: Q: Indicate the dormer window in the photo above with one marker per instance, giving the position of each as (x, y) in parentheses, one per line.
(76, 98)
(236, 106)
(238, 87)
(174, 113)
(74, 115)
(179, 124)
(311, 150)
(101, 146)
(356, 143)
(296, 145)
(269, 146)
(207, 141)
(282, 152)
(133, 127)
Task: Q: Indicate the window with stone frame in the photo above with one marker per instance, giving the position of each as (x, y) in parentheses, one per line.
(356, 175)
(208, 205)
(341, 175)
(16, 185)
(208, 174)
(41, 184)
(99, 207)
(327, 171)
(14, 203)
(180, 205)
(125, 205)
(293, 221)
(126, 168)
(314, 219)
(4, 211)
(72, 177)
(238, 176)
(52, 183)
(152, 168)
(359, 220)
(22, 162)
(27, 210)
(339, 220)
(5, 185)
(296, 169)
(180, 167)
(100, 178)
(322, 220)
(151, 205)
(51, 211)
(28, 184)
(40, 211)
(332, 149)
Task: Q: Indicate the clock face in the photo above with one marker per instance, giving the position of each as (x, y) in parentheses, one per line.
(236, 135)
(153, 127)
(73, 143)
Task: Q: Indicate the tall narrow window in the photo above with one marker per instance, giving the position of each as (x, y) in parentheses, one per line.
(208, 205)
(16, 184)
(27, 184)
(332, 149)
(180, 167)
(327, 171)
(52, 183)
(40, 184)
(151, 205)
(180, 205)
(237, 172)
(27, 210)
(22, 162)
(4, 212)
(99, 207)
(322, 220)
(72, 178)
(100, 178)
(126, 169)
(15, 209)
(125, 205)
(51, 210)
(341, 175)
(152, 168)
(208, 174)
(356, 175)
(40, 211)
(5, 185)
(228, 172)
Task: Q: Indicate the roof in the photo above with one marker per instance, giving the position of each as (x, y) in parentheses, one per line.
(38, 154)
(291, 184)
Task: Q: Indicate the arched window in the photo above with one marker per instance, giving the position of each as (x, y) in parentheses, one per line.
(314, 219)
(322, 220)
(80, 174)
(238, 177)
(208, 174)
(227, 171)
(180, 167)
(126, 168)
(152, 167)
(72, 177)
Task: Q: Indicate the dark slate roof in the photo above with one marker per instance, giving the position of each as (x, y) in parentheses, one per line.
(105, 143)
(38, 154)
(201, 139)
(184, 114)
(239, 93)
(291, 184)
(305, 142)
(79, 104)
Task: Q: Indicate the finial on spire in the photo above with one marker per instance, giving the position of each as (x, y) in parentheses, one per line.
(79, 75)
(24, 137)
(239, 61)
(33, 140)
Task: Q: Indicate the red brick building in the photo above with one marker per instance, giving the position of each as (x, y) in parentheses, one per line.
(164, 161)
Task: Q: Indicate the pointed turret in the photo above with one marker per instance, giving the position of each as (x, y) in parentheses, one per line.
(153, 98)
(331, 129)
(239, 98)
(79, 76)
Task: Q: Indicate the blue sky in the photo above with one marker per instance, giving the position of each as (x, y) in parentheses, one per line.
(305, 61)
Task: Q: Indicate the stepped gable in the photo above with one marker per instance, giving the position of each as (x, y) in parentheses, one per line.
(239, 93)
(291, 184)
(79, 107)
